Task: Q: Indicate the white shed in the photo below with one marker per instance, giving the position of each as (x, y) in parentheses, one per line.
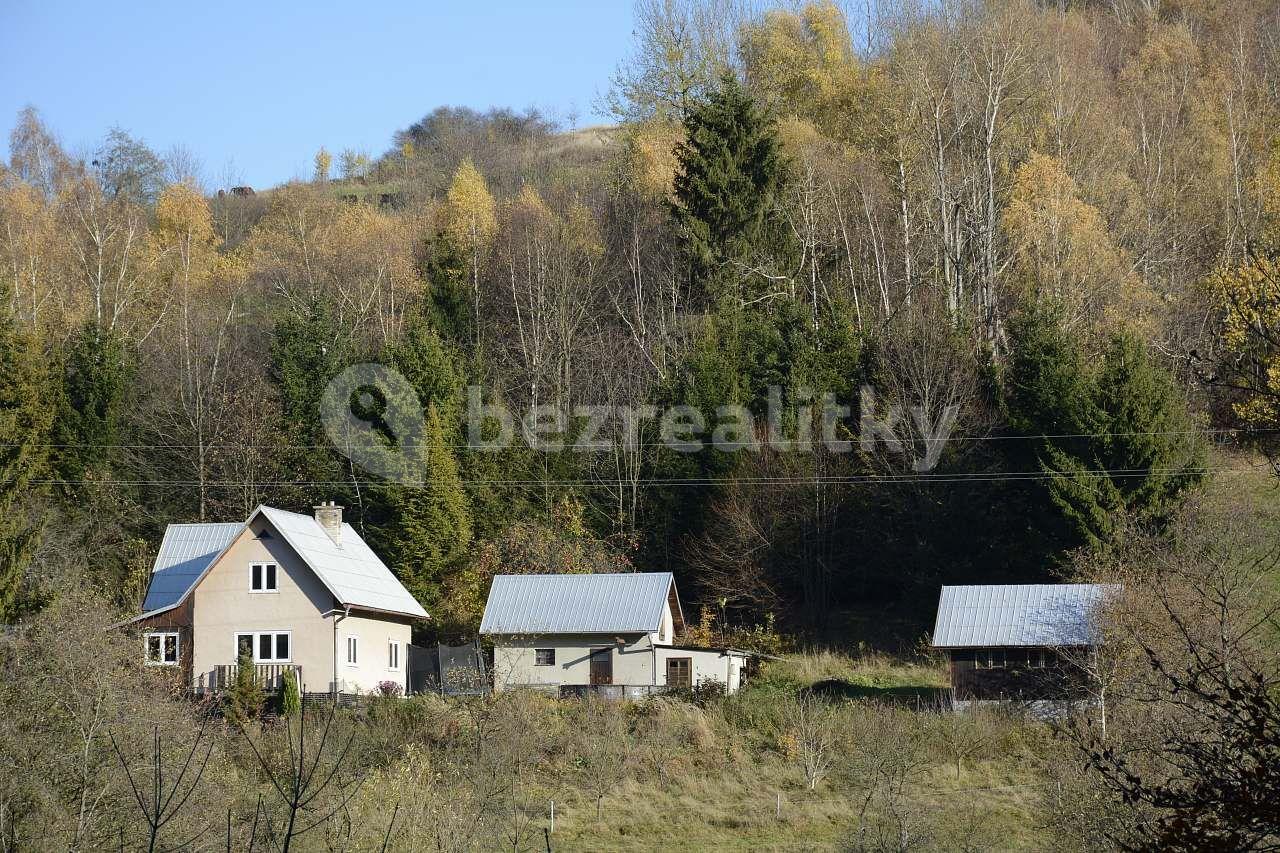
(568, 631)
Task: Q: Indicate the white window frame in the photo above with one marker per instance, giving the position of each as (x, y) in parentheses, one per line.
(162, 635)
(353, 650)
(235, 645)
(265, 589)
(393, 655)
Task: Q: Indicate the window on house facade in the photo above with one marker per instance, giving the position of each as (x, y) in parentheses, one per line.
(265, 646)
(262, 577)
(393, 655)
(544, 657)
(353, 651)
(680, 672)
(161, 648)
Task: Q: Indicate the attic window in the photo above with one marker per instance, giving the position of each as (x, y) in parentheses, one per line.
(262, 577)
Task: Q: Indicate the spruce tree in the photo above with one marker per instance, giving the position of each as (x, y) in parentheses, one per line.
(25, 420)
(730, 175)
(305, 357)
(430, 525)
(98, 369)
(1109, 441)
(449, 305)
(432, 366)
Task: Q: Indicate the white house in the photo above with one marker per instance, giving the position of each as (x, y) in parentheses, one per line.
(300, 592)
(606, 629)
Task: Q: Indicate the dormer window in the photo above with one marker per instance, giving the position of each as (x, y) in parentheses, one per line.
(262, 577)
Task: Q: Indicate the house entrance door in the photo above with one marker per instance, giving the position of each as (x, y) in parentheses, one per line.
(602, 666)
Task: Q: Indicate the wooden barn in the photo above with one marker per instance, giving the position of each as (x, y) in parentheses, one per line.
(1023, 642)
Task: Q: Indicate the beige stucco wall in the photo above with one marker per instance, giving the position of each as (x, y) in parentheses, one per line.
(303, 606)
(513, 659)
(372, 667)
(706, 665)
(633, 662)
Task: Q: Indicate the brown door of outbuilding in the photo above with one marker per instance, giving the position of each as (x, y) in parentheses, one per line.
(602, 666)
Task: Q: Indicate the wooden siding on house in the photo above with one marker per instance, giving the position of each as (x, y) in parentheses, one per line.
(179, 619)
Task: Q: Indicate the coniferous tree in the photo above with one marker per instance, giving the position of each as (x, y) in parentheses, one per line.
(25, 419)
(244, 699)
(728, 182)
(448, 303)
(306, 355)
(1109, 441)
(97, 374)
(432, 367)
(290, 698)
(430, 526)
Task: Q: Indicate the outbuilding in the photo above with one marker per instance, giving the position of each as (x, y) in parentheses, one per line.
(611, 633)
(1020, 641)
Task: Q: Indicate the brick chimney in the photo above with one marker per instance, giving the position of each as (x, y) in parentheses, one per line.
(329, 516)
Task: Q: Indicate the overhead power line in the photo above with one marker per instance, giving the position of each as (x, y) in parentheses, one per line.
(799, 480)
(607, 442)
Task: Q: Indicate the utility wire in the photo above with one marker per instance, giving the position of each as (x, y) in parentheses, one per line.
(869, 479)
(607, 444)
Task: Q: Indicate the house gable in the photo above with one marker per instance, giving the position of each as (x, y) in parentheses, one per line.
(352, 574)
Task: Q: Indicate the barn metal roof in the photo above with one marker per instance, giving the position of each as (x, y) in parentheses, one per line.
(185, 552)
(353, 573)
(1019, 614)
(630, 603)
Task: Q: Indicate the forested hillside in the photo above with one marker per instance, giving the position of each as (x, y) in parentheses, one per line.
(1060, 222)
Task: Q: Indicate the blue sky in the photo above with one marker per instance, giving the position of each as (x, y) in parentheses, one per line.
(263, 84)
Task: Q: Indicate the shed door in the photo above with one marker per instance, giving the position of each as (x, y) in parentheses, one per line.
(602, 666)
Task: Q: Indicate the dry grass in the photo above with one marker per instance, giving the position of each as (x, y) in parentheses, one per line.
(710, 778)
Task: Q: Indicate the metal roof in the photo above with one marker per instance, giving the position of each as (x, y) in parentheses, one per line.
(1019, 614)
(577, 604)
(185, 552)
(353, 573)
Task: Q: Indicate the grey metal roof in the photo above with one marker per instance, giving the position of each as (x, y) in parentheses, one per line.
(1019, 614)
(577, 604)
(353, 573)
(185, 552)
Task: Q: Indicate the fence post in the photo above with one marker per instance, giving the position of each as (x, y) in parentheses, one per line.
(778, 808)
(553, 816)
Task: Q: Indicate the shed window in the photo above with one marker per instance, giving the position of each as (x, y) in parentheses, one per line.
(680, 672)
(393, 655)
(989, 659)
(353, 651)
(262, 577)
(162, 648)
(544, 657)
